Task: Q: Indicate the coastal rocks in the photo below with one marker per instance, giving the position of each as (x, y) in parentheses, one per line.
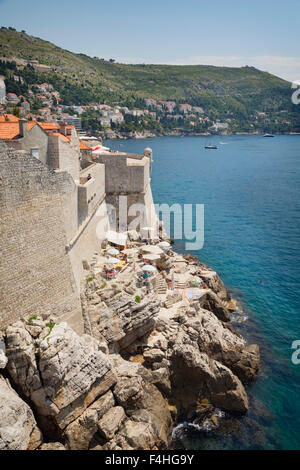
(208, 378)
(161, 379)
(3, 358)
(80, 432)
(121, 321)
(52, 446)
(244, 364)
(211, 301)
(111, 422)
(148, 426)
(194, 355)
(60, 372)
(214, 282)
(128, 391)
(18, 428)
(145, 407)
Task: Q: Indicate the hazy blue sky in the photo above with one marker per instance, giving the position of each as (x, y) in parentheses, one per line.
(263, 33)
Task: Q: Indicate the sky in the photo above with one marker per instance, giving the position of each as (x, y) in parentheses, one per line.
(261, 33)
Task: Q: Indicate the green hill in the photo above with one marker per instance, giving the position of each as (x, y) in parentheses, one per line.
(238, 92)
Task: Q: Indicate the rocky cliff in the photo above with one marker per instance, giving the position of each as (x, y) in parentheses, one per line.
(141, 366)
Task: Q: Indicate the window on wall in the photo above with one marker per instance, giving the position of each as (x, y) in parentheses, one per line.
(35, 153)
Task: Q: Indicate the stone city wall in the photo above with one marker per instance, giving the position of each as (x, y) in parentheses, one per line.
(36, 276)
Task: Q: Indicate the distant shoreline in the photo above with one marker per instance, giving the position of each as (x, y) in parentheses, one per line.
(151, 135)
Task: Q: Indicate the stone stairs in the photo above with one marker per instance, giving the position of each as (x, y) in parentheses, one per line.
(160, 285)
(180, 285)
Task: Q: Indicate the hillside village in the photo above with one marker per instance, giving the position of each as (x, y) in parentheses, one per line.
(42, 102)
(35, 91)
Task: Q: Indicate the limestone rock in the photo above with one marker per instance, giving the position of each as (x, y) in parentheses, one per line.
(3, 358)
(244, 364)
(153, 355)
(52, 446)
(18, 428)
(79, 434)
(110, 422)
(128, 391)
(214, 282)
(160, 378)
(214, 304)
(70, 374)
(123, 321)
(208, 377)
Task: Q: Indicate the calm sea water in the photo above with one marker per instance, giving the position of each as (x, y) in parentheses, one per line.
(250, 187)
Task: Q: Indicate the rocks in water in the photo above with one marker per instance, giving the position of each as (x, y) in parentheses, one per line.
(213, 303)
(18, 428)
(60, 372)
(213, 281)
(193, 349)
(197, 374)
(245, 363)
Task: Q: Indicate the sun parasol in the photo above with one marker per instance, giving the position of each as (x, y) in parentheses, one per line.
(113, 252)
(149, 268)
(112, 261)
(154, 249)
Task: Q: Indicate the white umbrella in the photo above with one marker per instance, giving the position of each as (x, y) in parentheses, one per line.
(130, 251)
(164, 244)
(149, 268)
(113, 252)
(112, 261)
(151, 257)
(116, 238)
(154, 249)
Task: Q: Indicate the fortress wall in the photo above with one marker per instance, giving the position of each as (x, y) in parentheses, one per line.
(88, 241)
(145, 199)
(69, 198)
(64, 156)
(124, 174)
(36, 276)
(90, 191)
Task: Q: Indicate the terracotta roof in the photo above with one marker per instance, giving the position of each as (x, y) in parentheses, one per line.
(48, 126)
(10, 130)
(30, 124)
(10, 117)
(61, 136)
(83, 146)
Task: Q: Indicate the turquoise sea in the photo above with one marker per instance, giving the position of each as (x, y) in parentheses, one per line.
(250, 187)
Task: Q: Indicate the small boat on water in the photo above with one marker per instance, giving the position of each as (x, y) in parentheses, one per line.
(211, 147)
(268, 135)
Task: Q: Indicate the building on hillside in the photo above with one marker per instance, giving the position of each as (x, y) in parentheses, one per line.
(219, 127)
(12, 98)
(150, 102)
(185, 108)
(74, 121)
(2, 90)
(168, 105)
(198, 110)
(117, 118)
